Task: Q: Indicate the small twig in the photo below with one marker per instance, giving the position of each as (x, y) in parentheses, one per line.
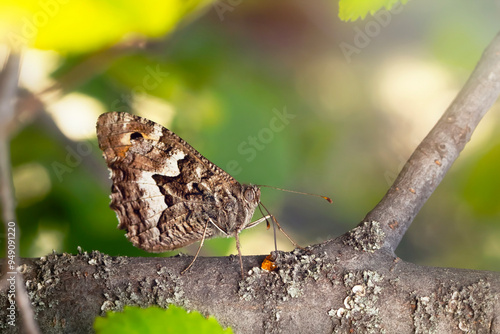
(93, 65)
(436, 153)
(31, 104)
(8, 86)
(8, 90)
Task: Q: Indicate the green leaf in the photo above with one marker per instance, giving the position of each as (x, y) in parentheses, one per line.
(86, 25)
(354, 9)
(136, 320)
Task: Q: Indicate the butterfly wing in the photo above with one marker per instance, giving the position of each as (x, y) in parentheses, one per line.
(164, 192)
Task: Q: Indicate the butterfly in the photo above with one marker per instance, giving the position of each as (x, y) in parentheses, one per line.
(165, 193)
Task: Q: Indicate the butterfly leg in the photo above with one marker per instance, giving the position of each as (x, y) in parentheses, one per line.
(199, 247)
(286, 235)
(238, 247)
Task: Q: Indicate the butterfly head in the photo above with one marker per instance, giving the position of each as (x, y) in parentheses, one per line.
(251, 199)
(251, 196)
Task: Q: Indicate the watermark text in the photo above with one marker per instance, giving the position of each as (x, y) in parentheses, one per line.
(11, 273)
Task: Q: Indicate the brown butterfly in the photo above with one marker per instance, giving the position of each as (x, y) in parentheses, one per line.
(167, 195)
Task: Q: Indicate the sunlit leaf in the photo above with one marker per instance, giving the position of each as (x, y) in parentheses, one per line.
(351, 10)
(157, 320)
(85, 25)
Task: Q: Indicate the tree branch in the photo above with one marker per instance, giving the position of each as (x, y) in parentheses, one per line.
(311, 292)
(431, 160)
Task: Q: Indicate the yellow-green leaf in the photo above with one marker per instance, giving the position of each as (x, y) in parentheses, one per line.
(86, 25)
(351, 10)
(151, 320)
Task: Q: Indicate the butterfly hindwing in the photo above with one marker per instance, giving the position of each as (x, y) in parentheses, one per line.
(165, 192)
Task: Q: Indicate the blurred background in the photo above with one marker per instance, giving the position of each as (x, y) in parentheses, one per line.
(280, 93)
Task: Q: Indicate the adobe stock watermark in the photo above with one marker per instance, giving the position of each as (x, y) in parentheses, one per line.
(74, 158)
(250, 147)
(30, 25)
(223, 6)
(372, 28)
(151, 80)
(11, 273)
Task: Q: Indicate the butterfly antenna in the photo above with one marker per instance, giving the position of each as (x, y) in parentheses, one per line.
(274, 227)
(297, 192)
(281, 229)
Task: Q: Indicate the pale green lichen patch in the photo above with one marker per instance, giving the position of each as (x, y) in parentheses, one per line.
(271, 288)
(161, 291)
(47, 276)
(360, 309)
(366, 237)
(424, 317)
(293, 269)
(470, 307)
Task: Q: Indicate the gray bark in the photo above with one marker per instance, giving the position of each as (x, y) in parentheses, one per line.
(328, 288)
